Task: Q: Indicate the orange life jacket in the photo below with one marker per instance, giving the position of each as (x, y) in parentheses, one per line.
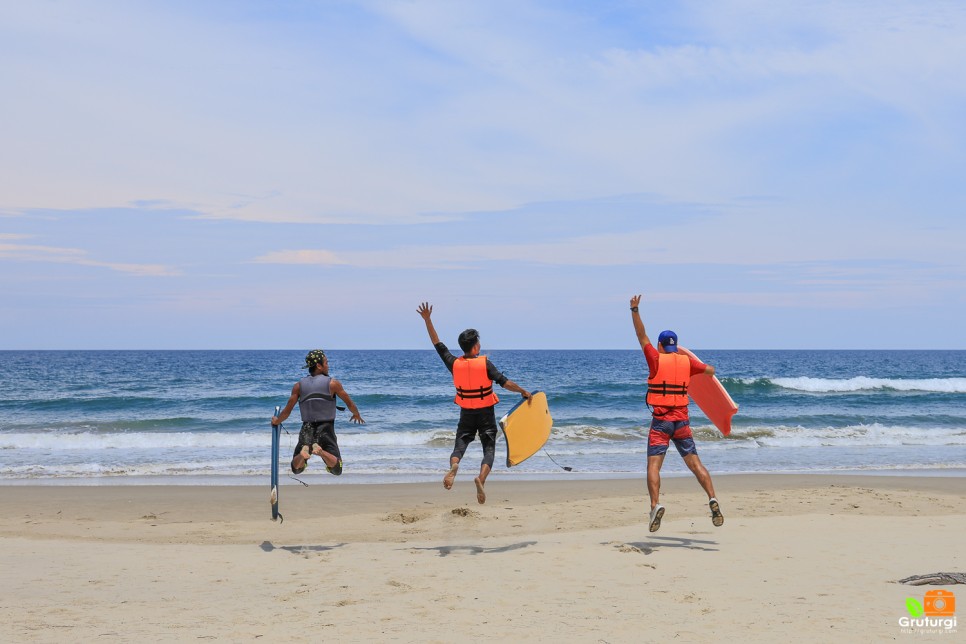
(474, 389)
(669, 386)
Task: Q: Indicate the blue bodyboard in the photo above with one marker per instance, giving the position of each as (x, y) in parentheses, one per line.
(276, 439)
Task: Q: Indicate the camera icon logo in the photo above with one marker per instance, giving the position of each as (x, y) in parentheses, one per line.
(939, 603)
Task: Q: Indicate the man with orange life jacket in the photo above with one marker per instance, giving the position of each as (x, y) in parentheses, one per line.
(669, 374)
(473, 377)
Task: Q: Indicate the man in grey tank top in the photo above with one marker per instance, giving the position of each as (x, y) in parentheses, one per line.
(315, 395)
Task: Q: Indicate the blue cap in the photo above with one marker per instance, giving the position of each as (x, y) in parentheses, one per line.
(668, 340)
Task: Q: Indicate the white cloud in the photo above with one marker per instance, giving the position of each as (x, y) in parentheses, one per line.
(57, 255)
(729, 241)
(442, 107)
(311, 257)
(847, 115)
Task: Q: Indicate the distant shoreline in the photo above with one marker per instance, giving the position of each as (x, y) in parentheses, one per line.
(497, 475)
(488, 349)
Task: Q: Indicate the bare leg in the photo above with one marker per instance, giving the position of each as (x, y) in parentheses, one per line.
(654, 464)
(331, 460)
(301, 459)
(701, 473)
(480, 482)
(454, 465)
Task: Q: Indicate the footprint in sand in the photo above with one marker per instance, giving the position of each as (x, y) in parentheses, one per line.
(403, 517)
(464, 512)
(627, 547)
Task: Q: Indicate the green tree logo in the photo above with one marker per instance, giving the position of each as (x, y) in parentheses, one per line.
(914, 607)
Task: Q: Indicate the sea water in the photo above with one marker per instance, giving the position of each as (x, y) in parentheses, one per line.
(203, 416)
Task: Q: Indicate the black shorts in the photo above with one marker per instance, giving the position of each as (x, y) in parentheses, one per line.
(473, 422)
(321, 432)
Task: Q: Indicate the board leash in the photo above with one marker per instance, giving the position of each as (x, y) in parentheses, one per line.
(288, 433)
(563, 467)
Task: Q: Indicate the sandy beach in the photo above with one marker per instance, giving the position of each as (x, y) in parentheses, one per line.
(806, 558)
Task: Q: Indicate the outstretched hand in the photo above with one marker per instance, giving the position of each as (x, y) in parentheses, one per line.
(425, 310)
(356, 418)
(635, 301)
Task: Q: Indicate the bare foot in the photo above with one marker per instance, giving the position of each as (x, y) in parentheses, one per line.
(480, 494)
(299, 461)
(450, 477)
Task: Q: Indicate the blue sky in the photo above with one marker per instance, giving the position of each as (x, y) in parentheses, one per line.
(301, 174)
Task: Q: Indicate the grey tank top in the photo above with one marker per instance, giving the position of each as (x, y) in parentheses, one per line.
(316, 403)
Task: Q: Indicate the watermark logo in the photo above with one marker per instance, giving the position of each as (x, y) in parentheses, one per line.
(936, 613)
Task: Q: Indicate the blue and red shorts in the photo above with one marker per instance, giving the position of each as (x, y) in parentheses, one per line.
(664, 431)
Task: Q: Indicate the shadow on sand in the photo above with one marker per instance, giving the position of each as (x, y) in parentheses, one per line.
(648, 547)
(655, 543)
(268, 546)
(445, 551)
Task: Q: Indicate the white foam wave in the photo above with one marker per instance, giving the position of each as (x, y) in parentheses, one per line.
(872, 435)
(199, 440)
(233, 468)
(133, 440)
(376, 439)
(596, 433)
(168, 446)
(85, 470)
(865, 383)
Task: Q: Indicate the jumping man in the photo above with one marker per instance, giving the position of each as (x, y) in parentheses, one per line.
(669, 374)
(473, 376)
(315, 395)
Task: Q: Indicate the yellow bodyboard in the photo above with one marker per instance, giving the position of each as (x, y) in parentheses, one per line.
(526, 428)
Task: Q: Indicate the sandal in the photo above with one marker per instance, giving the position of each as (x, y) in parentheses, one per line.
(716, 517)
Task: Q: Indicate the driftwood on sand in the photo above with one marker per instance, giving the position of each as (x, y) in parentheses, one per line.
(936, 579)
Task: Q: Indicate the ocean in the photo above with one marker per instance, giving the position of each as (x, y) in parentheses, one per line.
(202, 417)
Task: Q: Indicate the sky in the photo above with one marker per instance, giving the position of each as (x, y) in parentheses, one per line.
(302, 174)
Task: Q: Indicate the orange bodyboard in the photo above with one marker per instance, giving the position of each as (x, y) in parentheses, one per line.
(710, 395)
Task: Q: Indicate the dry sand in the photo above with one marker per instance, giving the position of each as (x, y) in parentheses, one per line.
(799, 558)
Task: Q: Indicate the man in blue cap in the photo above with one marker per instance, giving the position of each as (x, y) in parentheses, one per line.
(669, 373)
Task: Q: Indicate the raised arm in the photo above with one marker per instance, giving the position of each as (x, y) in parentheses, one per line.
(425, 310)
(638, 323)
